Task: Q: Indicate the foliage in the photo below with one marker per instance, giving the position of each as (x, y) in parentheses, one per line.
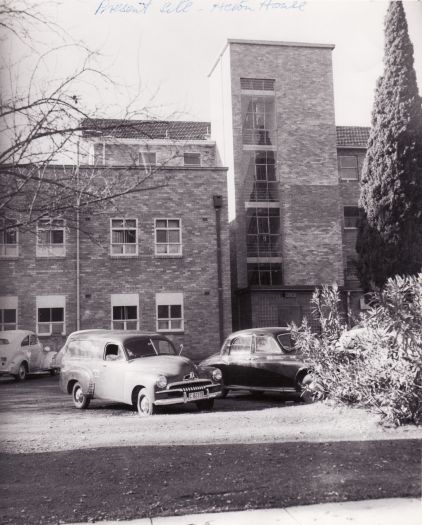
(52, 86)
(390, 231)
(378, 364)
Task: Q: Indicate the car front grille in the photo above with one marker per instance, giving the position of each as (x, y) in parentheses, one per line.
(190, 386)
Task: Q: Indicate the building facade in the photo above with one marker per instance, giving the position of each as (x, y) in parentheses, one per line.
(147, 262)
(294, 210)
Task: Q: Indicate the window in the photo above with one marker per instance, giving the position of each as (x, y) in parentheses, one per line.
(147, 158)
(351, 273)
(124, 237)
(51, 238)
(241, 345)
(125, 312)
(265, 274)
(348, 167)
(265, 186)
(263, 232)
(351, 216)
(258, 117)
(266, 345)
(257, 84)
(8, 239)
(192, 159)
(168, 237)
(169, 312)
(51, 314)
(8, 313)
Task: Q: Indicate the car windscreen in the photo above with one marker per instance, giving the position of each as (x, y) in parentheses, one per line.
(148, 347)
(285, 342)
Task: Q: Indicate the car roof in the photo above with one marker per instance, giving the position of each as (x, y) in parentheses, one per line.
(119, 336)
(15, 334)
(265, 330)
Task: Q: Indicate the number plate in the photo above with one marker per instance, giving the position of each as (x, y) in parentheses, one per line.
(197, 395)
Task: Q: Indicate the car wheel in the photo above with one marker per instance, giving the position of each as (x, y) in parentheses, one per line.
(205, 404)
(80, 400)
(310, 390)
(144, 405)
(22, 372)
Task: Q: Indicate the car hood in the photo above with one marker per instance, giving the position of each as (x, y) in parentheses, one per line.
(167, 365)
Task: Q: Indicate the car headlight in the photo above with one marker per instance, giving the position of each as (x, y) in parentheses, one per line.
(161, 382)
(216, 374)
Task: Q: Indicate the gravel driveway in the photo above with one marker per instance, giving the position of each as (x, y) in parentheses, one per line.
(37, 417)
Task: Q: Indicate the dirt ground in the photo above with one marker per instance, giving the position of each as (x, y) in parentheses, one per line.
(37, 417)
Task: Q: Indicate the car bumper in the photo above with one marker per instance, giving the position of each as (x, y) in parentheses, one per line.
(167, 397)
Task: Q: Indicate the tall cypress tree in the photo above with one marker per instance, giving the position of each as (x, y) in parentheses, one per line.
(389, 238)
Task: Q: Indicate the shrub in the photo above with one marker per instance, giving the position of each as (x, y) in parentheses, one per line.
(377, 365)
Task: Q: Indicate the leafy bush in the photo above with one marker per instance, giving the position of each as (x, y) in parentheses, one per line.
(377, 365)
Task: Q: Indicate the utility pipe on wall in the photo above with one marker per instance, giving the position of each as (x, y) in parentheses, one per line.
(218, 204)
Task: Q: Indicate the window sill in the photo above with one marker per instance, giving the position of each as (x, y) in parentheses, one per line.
(123, 256)
(50, 256)
(169, 332)
(168, 256)
(350, 227)
(9, 257)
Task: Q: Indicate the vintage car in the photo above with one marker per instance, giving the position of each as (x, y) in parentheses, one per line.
(21, 353)
(141, 369)
(264, 359)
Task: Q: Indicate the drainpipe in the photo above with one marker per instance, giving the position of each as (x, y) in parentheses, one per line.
(348, 308)
(78, 276)
(218, 204)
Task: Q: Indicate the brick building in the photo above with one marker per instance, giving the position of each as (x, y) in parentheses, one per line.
(152, 261)
(294, 177)
(149, 262)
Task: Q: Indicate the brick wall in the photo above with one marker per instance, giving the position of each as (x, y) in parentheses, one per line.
(306, 158)
(188, 196)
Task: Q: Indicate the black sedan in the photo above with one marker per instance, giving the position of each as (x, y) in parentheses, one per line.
(264, 360)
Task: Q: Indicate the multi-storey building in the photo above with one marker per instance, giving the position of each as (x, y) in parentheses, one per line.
(159, 260)
(273, 121)
(155, 260)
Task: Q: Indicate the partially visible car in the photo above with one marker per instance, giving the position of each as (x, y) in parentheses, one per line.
(264, 360)
(137, 368)
(22, 353)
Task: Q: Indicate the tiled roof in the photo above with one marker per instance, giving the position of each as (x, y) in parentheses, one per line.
(147, 129)
(352, 136)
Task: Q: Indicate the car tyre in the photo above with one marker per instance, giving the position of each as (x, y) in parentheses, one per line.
(22, 372)
(309, 390)
(205, 404)
(80, 400)
(144, 405)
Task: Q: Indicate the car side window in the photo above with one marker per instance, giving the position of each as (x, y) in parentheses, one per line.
(241, 345)
(112, 352)
(33, 340)
(265, 344)
(25, 342)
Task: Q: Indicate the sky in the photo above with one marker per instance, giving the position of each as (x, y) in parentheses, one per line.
(164, 49)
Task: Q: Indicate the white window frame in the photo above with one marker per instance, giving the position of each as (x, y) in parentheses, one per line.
(170, 299)
(344, 216)
(51, 249)
(124, 254)
(8, 249)
(123, 300)
(198, 153)
(168, 244)
(50, 302)
(8, 302)
(340, 167)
